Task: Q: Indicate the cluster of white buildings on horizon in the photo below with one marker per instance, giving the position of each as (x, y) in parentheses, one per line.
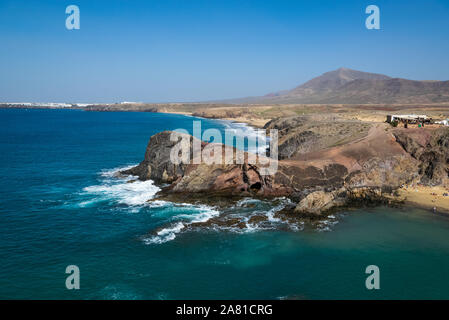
(60, 104)
(47, 104)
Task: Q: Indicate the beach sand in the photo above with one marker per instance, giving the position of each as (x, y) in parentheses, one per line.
(257, 123)
(426, 197)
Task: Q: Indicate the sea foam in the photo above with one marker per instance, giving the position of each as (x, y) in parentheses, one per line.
(243, 129)
(198, 214)
(127, 190)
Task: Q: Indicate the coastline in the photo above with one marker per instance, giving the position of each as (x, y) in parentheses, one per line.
(255, 123)
(252, 122)
(425, 197)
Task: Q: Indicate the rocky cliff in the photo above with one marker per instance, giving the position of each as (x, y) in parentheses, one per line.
(367, 169)
(431, 149)
(193, 177)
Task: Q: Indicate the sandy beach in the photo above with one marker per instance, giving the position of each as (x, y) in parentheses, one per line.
(431, 198)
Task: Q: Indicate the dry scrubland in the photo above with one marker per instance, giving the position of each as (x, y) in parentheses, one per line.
(259, 115)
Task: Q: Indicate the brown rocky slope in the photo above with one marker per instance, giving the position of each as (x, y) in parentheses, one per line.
(368, 167)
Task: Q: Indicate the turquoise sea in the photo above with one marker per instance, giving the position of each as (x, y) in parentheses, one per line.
(60, 205)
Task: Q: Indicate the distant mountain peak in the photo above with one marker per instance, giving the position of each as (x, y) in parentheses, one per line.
(347, 75)
(348, 86)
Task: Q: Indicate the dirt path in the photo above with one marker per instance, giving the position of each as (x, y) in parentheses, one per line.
(377, 143)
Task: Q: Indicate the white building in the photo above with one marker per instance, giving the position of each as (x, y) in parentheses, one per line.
(411, 118)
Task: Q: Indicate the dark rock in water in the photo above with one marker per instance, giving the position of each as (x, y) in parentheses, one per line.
(316, 203)
(157, 165)
(257, 219)
(197, 177)
(219, 222)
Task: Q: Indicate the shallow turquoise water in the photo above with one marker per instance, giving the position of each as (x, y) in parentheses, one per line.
(60, 205)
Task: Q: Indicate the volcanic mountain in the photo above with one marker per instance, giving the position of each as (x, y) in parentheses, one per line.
(346, 86)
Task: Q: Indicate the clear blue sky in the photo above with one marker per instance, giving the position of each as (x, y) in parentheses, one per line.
(189, 50)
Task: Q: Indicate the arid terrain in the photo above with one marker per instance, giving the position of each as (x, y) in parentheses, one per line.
(259, 114)
(329, 156)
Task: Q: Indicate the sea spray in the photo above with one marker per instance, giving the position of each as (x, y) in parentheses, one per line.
(127, 190)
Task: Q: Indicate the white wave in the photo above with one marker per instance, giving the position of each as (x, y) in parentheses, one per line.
(121, 189)
(245, 201)
(296, 226)
(129, 193)
(270, 214)
(245, 130)
(111, 173)
(250, 228)
(324, 229)
(328, 222)
(204, 215)
(169, 233)
(326, 225)
(86, 204)
(158, 204)
(270, 223)
(166, 234)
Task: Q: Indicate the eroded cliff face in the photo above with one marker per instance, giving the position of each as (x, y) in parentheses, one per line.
(431, 150)
(373, 184)
(365, 170)
(198, 177)
(157, 165)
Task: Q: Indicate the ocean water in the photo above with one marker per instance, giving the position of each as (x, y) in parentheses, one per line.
(60, 205)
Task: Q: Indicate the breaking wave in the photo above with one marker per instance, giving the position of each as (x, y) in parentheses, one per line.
(126, 190)
(252, 134)
(198, 214)
(134, 195)
(247, 215)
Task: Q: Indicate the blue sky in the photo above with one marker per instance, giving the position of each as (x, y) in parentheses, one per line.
(189, 50)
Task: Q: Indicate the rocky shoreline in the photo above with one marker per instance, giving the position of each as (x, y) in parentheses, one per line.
(368, 168)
